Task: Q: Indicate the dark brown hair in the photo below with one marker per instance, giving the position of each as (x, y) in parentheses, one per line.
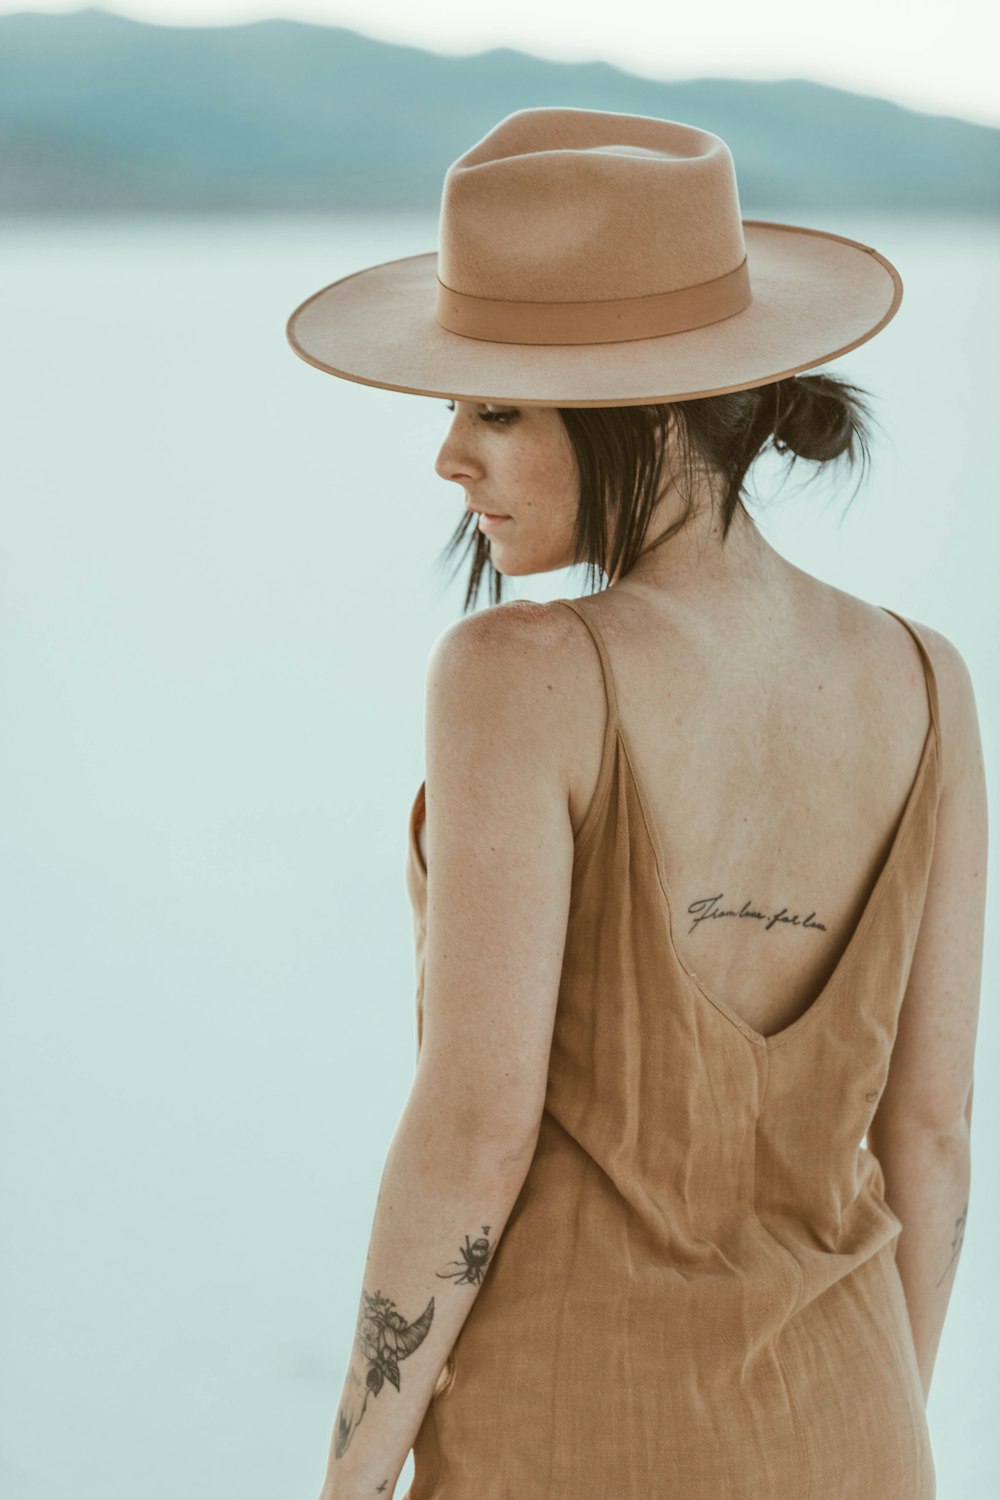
(619, 455)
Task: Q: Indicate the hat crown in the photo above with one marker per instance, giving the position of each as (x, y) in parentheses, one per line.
(576, 205)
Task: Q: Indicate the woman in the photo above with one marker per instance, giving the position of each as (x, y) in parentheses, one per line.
(697, 871)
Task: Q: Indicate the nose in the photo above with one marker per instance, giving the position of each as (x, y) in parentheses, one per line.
(456, 459)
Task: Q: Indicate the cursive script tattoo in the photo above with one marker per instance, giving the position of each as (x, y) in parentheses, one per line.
(705, 908)
(475, 1258)
(957, 1238)
(383, 1337)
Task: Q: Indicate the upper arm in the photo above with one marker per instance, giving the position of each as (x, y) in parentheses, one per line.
(930, 1076)
(500, 863)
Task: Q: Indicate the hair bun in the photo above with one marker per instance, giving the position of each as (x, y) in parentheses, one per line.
(814, 417)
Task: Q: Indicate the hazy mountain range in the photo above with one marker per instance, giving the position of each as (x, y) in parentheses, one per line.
(102, 113)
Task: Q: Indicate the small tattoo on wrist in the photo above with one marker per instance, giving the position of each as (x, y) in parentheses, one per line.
(957, 1238)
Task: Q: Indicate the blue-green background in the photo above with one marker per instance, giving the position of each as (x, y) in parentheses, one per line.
(218, 591)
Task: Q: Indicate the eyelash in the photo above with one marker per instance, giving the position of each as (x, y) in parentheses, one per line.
(501, 418)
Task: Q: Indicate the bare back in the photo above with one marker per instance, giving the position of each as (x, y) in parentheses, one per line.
(774, 753)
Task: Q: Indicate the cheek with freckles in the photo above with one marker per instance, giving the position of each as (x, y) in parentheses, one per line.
(544, 472)
(544, 481)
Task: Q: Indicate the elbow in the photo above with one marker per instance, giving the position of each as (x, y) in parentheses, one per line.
(484, 1143)
(949, 1135)
(928, 1123)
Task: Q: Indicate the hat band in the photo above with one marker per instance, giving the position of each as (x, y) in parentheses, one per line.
(614, 322)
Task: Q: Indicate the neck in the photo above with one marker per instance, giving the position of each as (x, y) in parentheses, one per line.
(696, 560)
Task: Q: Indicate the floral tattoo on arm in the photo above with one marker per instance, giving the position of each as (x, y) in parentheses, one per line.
(383, 1337)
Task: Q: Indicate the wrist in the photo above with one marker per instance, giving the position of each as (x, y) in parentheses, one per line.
(335, 1489)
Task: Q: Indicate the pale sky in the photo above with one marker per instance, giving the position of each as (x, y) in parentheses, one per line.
(931, 55)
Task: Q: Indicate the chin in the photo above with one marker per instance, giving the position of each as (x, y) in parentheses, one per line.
(513, 567)
(510, 560)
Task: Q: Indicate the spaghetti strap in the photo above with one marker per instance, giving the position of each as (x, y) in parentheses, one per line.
(609, 677)
(929, 676)
(612, 733)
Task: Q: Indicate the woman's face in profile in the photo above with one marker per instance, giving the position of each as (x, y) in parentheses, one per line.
(515, 462)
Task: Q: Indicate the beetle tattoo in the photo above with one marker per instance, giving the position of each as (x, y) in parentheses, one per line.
(475, 1258)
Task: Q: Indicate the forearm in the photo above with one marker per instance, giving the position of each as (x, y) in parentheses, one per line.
(442, 1205)
(927, 1178)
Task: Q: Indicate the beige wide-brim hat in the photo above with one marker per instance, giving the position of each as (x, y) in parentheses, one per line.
(596, 259)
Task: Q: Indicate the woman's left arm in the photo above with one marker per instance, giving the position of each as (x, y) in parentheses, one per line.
(500, 862)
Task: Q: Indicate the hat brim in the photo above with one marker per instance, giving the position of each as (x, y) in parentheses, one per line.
(815, 296)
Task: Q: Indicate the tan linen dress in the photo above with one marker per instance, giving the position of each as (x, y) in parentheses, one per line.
(695, 1296)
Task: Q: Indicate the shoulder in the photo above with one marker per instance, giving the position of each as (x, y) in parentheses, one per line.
(513, 655)
(958, 720)
(511, 690)
(952, 678)
(504, 634)
(950, 667)
(961, 748)
(870, 628)
(951, 671)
